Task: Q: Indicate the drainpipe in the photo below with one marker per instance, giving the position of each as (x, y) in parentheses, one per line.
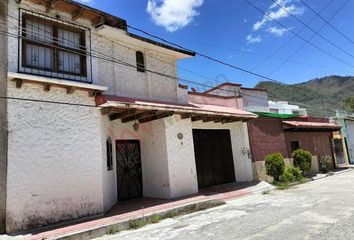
(3, 115)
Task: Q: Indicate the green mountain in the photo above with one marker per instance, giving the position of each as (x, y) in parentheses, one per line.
(320, 96)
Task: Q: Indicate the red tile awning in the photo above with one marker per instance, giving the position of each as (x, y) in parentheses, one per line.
(131, 109)
(298, 126)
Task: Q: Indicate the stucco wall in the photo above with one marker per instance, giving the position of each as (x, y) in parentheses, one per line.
(3, 117)
(180, 153)
(54, 157)
(256, 101)
(240, 147)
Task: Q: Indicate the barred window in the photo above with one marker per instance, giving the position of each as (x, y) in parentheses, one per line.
(109, 154)
(52, 46)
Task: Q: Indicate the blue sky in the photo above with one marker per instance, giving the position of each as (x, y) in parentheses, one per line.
(235, 32)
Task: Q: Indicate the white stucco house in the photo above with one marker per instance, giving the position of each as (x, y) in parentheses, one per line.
(92, 115)
(283, 107)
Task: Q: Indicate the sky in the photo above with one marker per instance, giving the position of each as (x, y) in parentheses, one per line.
(235, 32)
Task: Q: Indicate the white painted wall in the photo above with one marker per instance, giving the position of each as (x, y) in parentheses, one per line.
(180, 153)
(240, 147)
(255, 101)
(54, 157)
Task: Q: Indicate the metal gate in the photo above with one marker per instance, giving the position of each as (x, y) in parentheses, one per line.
(129, 176)
(213, 156)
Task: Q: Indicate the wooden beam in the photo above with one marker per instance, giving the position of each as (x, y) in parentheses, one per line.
(98, 21)
(70, 90)
(19, 82)
(155, 117)
(51, 5)
(138, 116)
(46, 87)
(186, 115)
(196, 118)
(208, 118)
(105, 110)
(120, 115)
(231, 120)
(93, 93)
(77, 14)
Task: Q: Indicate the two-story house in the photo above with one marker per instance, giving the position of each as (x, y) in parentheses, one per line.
(92, 115)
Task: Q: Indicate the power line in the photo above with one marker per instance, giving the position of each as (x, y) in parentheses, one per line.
(304, 44)
(299, 36)
(292, 38)
(326, 21)
(317, 33)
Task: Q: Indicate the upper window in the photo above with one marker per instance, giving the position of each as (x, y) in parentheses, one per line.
(50, 46)
(140, 62)
(109, 154)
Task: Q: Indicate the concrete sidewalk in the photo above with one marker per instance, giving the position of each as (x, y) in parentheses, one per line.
(143, 209)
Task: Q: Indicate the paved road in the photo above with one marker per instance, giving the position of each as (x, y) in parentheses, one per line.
(316, 210)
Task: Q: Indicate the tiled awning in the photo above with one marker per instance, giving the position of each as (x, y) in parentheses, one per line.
(141, 110)
(298, 126)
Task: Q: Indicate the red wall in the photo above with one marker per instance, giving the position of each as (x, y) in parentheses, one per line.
(267, 136)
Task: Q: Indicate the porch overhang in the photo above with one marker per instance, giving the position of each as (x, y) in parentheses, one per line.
(298, 126)
(142, 111)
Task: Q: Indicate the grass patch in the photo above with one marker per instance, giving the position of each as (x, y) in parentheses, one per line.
(171, 214)
(155, 218)
(113, 230)
(282, 185)
(136, 223)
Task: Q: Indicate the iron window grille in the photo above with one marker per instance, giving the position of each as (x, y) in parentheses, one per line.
(53, 48)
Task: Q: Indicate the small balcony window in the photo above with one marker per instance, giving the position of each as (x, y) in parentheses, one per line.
(53, 48)
(140, 62)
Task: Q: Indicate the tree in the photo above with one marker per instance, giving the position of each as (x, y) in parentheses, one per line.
(349, 104)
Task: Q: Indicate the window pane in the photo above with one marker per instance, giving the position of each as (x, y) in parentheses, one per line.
(69, 62)
(39, 31)
(68, 39)
(39, 57)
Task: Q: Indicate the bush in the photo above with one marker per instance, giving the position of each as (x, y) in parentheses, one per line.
(325, 163)
(302, 160)
(274, 164)
(291, 174)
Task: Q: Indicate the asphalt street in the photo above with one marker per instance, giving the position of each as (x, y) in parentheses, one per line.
(322, 209)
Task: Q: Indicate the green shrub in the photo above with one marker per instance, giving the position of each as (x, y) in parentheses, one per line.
(302, 160)
(274, 164)
(155, 218)
(325, 163)
(291, 174)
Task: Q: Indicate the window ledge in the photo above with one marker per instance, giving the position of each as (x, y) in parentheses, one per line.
(47, 82)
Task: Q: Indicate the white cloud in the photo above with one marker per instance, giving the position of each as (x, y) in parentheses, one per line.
(278, 32)
(250, 39)
(173, 14)
(87, 2)
(275, 12)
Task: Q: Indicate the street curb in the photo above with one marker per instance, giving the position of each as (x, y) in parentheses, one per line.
(331, 174)
(124, 225)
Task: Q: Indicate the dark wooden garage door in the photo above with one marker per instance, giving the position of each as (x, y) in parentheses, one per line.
(213, 156)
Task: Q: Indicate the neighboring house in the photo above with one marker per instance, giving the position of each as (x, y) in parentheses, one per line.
(275, 132)
(283, 107)
(271, 133)
(94, 115)
(344, 142)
